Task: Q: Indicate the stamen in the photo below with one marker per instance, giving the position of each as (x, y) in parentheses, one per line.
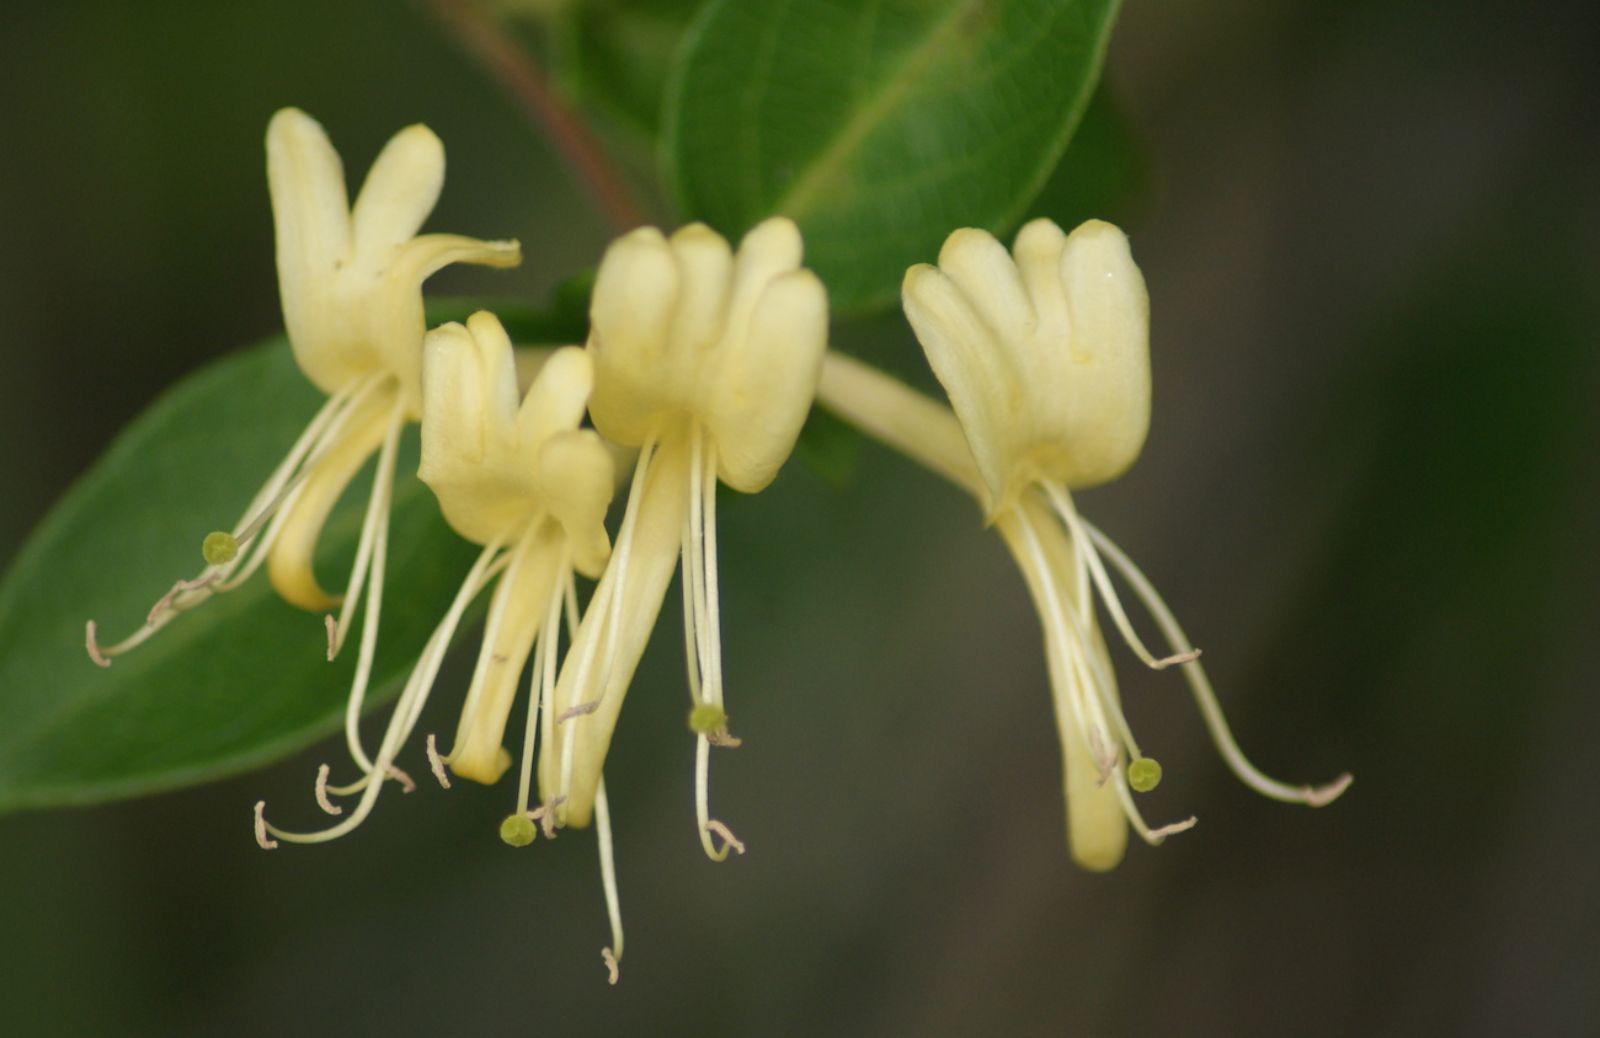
(332, 627)
(435, 763)
(409, 707)
(91, 643)
(1105, 760)
(624, 548)
(1083, 547)
(1205, 696)
(728, 839)
(373, 543)
(281, 485)
(374, 549)
(260, 546)
(611, 966)
(324, 428)
(713, 614)
(1072, 638)
(1157, 836)
(407, 784)
(470, 717)
(271, 506)
(180, 587)
(322, 793)
(1154, 837)
(261, 828)
(608, 600)
(608, 877)
(542, 682)
(689, 580)
(545, 815)
(702, 632)
(571, 601)
(1320, 796)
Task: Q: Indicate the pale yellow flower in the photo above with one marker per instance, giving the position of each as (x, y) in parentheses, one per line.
(519, 476)
(706, 360)
(350, 278)
(1044, 353)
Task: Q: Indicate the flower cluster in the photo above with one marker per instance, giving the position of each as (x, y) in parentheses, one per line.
(701, 364)
(700, 367)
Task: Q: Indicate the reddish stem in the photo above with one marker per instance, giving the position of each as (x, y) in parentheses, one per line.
(520, 76)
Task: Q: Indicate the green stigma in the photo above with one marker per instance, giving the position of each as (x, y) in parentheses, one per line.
(219, 548)
(705, 719)
(1144, 774)
(518, 830)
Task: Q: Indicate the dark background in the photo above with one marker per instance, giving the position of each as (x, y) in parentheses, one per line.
(1373, 242)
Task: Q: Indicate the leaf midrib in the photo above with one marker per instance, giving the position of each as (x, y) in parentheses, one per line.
(810, 185)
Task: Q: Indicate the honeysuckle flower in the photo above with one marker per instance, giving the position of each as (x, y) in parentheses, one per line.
(350, 280)
(520, 478)
(1044, 353)
(706, 361)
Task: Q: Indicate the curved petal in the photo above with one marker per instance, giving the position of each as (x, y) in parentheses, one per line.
(516, 614)
(1038, 254)
(400, 191)
(452, 401)
(1109, 309)
(558, 397)
(766, 385)
(426, 255)
(576, 480)
(289, 565)
(986, 274)
(965, 356)
(635, 291)
(771, 248)
(310, 211)
(705, 267)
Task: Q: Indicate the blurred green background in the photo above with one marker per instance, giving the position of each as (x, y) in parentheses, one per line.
(1372, 235)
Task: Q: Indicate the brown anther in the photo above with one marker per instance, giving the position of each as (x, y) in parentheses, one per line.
(1103, 764)
(1319, 796)
(436, 762)
(728, 839)
(611, 966)
(545, 815)
(1176, 827)
(578, 711)
(181, 587)
(91, 643)
(720, 736)
(1178, 657)
(322, 793)
(406, 785)
(332, 627)
(262, 840)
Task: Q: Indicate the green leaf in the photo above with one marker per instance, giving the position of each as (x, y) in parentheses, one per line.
(239, 681)
(614, 57)
(878, 125)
